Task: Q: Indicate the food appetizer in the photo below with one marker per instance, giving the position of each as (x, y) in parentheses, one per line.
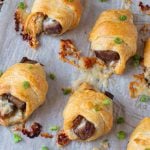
(49, 17)
(140, 138)
(114, 38)
(20, 93)
(88, 114)
(141, 85)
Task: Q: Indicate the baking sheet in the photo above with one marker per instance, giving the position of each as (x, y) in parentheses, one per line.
(12, 49)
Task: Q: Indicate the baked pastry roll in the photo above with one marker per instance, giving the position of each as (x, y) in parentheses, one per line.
(51, 17)
(141, 85)
(147, 62)
(20, 93)
(140, 138)
(88, 114)
(114, 38)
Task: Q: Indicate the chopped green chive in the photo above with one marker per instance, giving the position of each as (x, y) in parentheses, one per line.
(26, 84)
(144, 98)
(52, 76)
(55, 128)
(123, 18)
(1, 73)
(44, 148)
(17, 138)
(147, 148)
(30, 67)
(106, 102)
(118, 40)
(121, 135)
(97, 107)
(120, 120)
(22, 5)
(70, 0)
(103, 0)
(66, 91)
(136, 60)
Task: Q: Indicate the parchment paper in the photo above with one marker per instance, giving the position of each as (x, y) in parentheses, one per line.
(12, 49)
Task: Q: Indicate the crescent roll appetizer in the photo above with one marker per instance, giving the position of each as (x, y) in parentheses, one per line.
(49, 17)
(88, 114)
(20, 93)
(114, 38)
(141, 85)
(140, 138)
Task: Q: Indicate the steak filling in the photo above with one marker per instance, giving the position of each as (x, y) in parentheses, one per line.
(51, 26)
(83, 128)
(9, 104)
(107, 56)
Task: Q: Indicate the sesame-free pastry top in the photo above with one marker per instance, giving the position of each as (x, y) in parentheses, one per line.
(49, 17)
(140, 138)
(114, 38)
(88, 114)
(20, 93)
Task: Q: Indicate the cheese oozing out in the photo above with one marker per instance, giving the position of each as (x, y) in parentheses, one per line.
(6, 107)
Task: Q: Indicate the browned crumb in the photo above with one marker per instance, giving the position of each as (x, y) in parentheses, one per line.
(62, 139)
(145, 8)
(67, 49)
(89, 62)
(30, 26)
(135, 86)
(34, 131)
(46, 135)
(70, 54)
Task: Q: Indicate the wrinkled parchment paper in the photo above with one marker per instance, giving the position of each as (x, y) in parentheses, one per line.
(12, 49)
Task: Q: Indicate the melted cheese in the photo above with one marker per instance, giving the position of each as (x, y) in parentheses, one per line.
(97, 76)
(17, 117)
(5, 107)
(82, 124)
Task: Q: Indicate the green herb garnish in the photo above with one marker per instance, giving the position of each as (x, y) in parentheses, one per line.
(118, 40)
(22, 5)
(55, 128)
(147, 148)
(70, 0)
(144, 98)
(136, 60)
(1, 73)
(120, 120)
(26, 84)
(30, 67)
(44, 148)
(106, 102)
(121, 135)
(52, 76)
(17, 138)
(66, 91)
(97, 107)
(123, 18)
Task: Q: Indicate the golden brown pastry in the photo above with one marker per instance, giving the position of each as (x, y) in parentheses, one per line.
(141, 85)
(51, 17)
(114, 38)
(140, 138)
(88, 114)
(20, 93)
